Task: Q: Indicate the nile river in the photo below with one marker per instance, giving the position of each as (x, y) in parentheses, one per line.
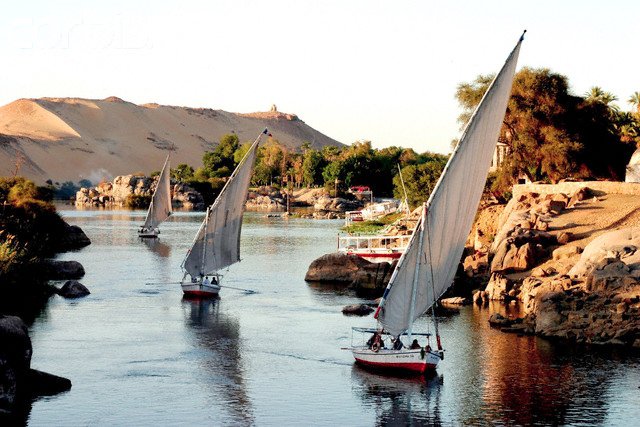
(139, 355)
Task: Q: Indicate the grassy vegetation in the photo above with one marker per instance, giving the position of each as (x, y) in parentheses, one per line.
(372, 227)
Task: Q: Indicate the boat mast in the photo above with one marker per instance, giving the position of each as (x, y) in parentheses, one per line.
(435, 298)
(416, 273)
(204, 242)
(404, 189)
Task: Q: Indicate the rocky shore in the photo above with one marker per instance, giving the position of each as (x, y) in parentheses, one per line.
(569, 261)
(19, 383)
(124, 189)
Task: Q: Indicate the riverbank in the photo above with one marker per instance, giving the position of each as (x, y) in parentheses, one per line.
(240, 360)
(568, 261)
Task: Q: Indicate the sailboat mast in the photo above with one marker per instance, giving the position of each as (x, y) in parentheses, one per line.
(416, 274)
(204, 242)
(404, 189)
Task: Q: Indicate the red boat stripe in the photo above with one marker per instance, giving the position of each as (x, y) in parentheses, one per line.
(415, 367)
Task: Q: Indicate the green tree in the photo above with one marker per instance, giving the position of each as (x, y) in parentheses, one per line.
(312, 167)
(419, 180)
(550, 133)
(220, 161)
(240, 152)
(182, 173)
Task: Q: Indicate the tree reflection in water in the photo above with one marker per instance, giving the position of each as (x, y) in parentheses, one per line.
(219, 334)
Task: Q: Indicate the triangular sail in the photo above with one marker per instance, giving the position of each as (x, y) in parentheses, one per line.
(217, 244)
(160, 207)
(436, 246)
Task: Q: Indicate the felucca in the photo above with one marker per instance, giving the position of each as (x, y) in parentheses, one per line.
(427, 267)
(160, 207)
(217, 243)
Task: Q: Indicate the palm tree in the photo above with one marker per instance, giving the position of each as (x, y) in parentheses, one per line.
(594, 94)
(597, 94)
(635, 100)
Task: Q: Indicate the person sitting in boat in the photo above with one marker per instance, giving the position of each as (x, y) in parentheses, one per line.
(375, 342)
(397, 344)
(206, 280)
(428, 348)
(415, 345)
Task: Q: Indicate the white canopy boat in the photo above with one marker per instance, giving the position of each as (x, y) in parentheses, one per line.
(217, 243)
(160, 208)
(427, 267)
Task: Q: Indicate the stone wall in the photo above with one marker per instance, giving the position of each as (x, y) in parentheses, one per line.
(630, 188)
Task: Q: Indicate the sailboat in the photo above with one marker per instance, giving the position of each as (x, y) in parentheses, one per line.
(217, 243)
(427, 267)
(160, 207)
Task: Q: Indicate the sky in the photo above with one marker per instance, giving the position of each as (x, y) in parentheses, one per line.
(383, 71)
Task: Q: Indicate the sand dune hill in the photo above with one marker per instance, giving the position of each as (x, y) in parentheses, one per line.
(68, 139)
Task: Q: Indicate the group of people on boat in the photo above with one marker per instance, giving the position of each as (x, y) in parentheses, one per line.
(206, 280)
(145, 230)
(376, 342)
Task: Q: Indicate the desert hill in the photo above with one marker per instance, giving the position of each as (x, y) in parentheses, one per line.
(68, 139)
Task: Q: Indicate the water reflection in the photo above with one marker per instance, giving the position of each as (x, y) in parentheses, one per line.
(219, 334)
(157, 247)
(400, 401)
(527, 381)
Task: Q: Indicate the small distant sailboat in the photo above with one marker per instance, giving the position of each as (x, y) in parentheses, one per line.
(217, 243)
(160, 208)
(427, 267)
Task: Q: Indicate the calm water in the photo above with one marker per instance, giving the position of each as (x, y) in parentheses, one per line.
(138, 354)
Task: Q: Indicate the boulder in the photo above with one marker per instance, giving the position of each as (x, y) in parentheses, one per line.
(480, 298)
(264, 202)
(564, 237)
(372, 279)
(18, 382)
(497, 319)
(566, 252)
(15, 360)
(61, 270)
(73, 289)
(357, 309)
(578, 196)
(455, 301)
(335, 267)
(72, 239)
(498, 287)
(477, 263)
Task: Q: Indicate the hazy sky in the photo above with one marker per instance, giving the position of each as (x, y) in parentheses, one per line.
(384, 71)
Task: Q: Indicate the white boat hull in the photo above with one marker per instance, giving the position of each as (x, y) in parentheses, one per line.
(149, 234)
(199, 289)
(405, 360)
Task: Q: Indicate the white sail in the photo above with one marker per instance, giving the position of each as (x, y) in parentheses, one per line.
(217, 244)
(160, 207)
(428, 266)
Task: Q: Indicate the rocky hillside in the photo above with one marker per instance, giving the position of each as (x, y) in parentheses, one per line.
(69, 139)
